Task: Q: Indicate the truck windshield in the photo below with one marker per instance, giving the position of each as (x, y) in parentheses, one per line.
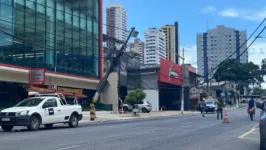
(30, 102)
(209, 103)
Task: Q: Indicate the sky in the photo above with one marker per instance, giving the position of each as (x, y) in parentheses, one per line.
(196, 16)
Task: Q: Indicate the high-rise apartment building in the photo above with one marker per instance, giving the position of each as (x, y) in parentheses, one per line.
(172, 42)
(216, 45)
(116, 22)
(137, 47)
(155, 46)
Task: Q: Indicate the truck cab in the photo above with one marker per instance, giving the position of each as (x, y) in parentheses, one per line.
(45, 109)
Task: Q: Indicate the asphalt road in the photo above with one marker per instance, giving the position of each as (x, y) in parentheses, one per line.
(173, 133)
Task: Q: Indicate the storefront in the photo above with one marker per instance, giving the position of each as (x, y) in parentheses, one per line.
(169, 83)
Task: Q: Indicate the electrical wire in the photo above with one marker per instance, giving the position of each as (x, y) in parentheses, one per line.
(240, 54)
(240, 48)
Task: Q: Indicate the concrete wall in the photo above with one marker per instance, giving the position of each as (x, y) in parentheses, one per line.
(110, 93)
(153, 98)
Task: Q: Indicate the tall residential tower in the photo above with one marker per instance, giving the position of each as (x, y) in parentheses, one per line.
(116, 21)
(172, 42)
(155, 46)
(216, 45)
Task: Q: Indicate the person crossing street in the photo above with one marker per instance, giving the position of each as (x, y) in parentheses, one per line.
(220, 107)
(203, 108)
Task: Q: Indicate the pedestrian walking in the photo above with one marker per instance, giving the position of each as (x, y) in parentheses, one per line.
(202, 108)
(220, 107)
(120, 104)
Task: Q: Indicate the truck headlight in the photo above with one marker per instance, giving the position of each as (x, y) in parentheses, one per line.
(22, 113)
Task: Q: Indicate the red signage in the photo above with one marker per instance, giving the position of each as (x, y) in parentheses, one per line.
(37, 76)
(170, 73)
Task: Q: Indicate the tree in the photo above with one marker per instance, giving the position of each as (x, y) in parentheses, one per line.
(135, 97)
(242, 74)
(231, 70)
(258, 91)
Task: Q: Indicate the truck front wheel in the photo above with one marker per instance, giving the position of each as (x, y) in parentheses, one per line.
(73, 121)
(35, 123)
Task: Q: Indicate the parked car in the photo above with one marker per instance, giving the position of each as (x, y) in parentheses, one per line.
(41, 110)
(262, 125)
(211, 106)
(145, 107)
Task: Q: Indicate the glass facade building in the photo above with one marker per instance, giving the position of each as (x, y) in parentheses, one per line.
(59, 35)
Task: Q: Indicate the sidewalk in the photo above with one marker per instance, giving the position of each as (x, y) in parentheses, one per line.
(108, 116)
(233, 107)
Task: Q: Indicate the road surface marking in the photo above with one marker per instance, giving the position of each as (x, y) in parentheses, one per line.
(70, 147)
(255, 139)
(247, 133)
(255, 126)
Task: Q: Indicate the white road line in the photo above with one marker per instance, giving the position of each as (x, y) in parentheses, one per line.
(247, 133)
(255, 126)
(252, 139)
(70, 147)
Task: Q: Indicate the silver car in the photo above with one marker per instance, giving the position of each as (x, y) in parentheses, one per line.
(145, 107)
(262, 106)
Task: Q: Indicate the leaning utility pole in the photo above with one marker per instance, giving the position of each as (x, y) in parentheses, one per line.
(113, 63)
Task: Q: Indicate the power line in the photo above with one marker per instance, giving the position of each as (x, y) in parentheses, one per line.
(241, 53)
(240, 48)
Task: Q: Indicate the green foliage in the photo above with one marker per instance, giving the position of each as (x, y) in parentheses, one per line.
(259, 91)
(231, 70)
(135, 97)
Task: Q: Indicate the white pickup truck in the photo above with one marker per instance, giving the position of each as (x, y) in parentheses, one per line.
(40, 110)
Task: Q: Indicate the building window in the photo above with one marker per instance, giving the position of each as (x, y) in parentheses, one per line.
(59, 36)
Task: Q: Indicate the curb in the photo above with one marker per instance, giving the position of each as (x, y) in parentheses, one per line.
(134, 119)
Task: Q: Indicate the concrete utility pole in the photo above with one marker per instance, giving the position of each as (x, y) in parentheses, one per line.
(182, 90)
(182, 87)
(114, 63)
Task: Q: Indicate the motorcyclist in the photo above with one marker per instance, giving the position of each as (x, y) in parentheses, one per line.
(251, 105)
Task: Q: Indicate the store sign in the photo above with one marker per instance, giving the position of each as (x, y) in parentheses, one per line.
(170, 73)
(70, 90)
(37, 76)
(122, 73)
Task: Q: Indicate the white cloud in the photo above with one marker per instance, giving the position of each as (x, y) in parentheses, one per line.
(208, 9)
(257, 52)
(247, 14)
(229, 12)
(190, 54)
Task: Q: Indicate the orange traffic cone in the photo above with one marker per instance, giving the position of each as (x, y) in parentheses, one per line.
(225, 117)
